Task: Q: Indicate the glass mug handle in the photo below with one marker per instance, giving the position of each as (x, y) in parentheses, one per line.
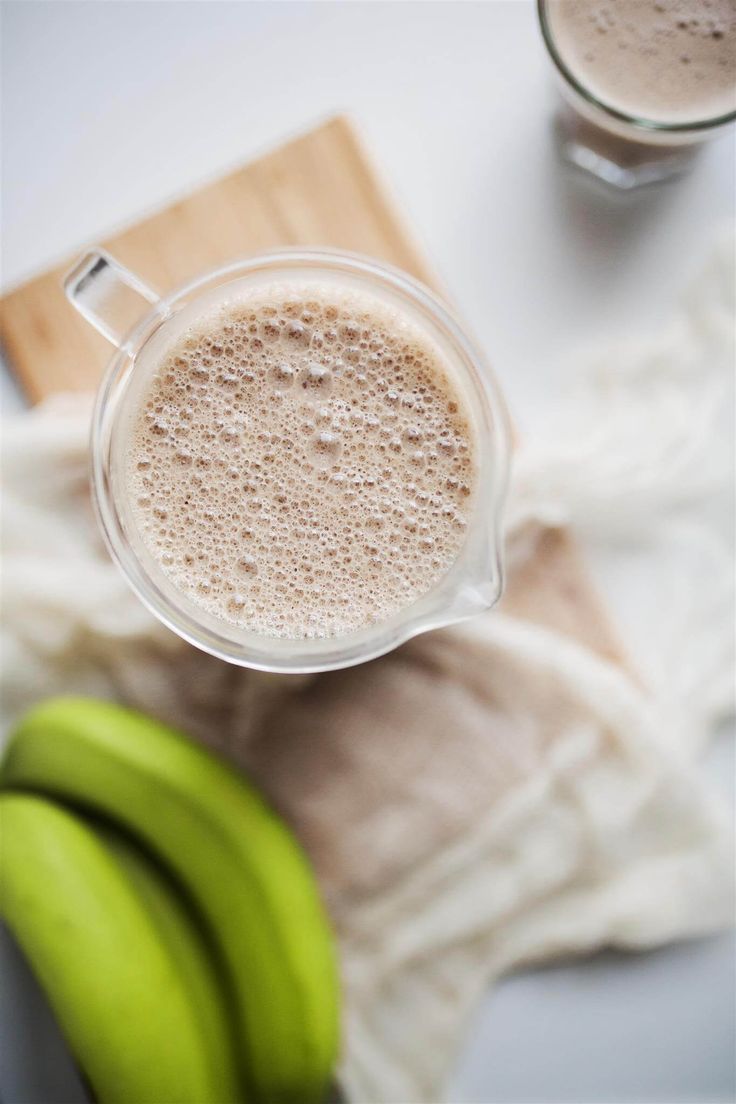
(109, 296)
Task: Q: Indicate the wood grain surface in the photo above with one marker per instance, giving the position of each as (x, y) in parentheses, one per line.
(319, 189)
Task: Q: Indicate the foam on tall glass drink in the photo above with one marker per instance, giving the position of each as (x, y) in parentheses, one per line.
(301, 462)
(666, 61)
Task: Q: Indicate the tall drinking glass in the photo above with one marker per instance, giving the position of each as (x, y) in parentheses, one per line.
(643, 83)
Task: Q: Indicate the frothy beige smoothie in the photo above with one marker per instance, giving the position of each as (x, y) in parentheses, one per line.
(667, 61)
(301, 462)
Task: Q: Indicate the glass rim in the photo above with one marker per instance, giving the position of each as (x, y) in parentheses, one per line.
(638, 121)
(456, 595)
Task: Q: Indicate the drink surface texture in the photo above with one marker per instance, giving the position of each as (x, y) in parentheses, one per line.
(301, 463)
(668, 61)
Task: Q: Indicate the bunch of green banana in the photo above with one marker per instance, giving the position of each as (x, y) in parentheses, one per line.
(131, 1013)
(245, 879)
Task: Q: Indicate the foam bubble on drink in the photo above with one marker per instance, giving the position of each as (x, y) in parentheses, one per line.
(301, 463)
(670, 61)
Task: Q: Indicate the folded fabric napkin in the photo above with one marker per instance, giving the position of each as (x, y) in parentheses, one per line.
(486, 796)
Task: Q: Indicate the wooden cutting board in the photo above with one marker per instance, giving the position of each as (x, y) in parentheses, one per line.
(319, 189)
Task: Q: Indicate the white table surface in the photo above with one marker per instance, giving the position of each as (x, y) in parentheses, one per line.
(111, 108)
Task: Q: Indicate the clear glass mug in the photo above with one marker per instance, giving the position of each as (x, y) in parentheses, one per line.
(140, 323)
(621, 149)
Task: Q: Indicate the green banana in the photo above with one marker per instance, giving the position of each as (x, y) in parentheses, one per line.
(238, 862)
(109, 977)
(179, 931)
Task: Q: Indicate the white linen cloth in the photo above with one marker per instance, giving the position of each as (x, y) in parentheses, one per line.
(487, 796)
